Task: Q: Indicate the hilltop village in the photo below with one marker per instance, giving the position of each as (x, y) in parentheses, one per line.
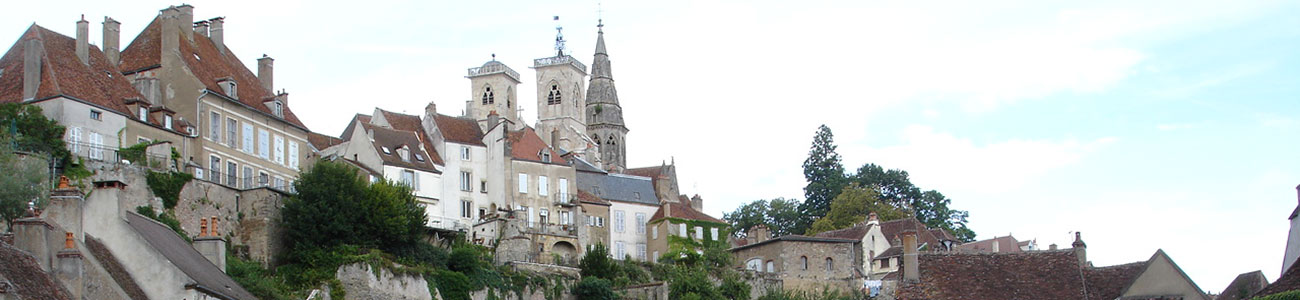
(538, 198)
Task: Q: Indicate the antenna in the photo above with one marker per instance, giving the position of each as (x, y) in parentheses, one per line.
(559, 37)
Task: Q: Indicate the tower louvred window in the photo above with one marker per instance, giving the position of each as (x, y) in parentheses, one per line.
(553, 97)
(488, 97)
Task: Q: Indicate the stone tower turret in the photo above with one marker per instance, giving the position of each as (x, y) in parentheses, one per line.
(604, 115)
(492, 89)
(560, 101)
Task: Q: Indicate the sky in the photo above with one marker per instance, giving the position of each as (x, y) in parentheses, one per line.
(1144, 125)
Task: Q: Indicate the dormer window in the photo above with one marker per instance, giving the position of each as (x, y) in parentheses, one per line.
(277, 108)
(553, 98)
(167, 121)
(546, 155)
(96, 115)
(229, 87)
(143, 112)
(488, 97)
(404, 153)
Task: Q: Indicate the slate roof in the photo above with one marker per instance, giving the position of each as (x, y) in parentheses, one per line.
(22, 277)
(584, 166)
(405, 122)
(321, 141)
(206, 62)
(1005, 244)
(617, 187)
(459, 130)
(683, 211)
(1289, 281)
(395, 139)
(794, 238)
(856, 232)
(206, 276)
(1010, 276)
(526, 145)
(1243, 286)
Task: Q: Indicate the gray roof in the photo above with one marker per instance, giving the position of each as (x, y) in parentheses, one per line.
(618, 187)
(584, 166)
(207, 277)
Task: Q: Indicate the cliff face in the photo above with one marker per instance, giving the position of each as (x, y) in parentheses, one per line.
(362, 282)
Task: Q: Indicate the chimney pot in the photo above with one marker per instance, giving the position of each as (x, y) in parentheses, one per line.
(1051, 247)
(1080, 250)
(112, 38)
(203, 227)
(214, 227)
(83, 40)
(68, 241)
(201, 27)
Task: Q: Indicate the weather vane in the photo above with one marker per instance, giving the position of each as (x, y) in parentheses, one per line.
(559, 37)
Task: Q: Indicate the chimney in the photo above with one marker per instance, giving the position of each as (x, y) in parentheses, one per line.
(185, 25)
(32, 234)
(493, 119)
(69, 267)
(83, 40)
(66, 206)
(697, 203)
(211, 245)
(873, 219)
(201, 27)
(555, 138)
(203, 227)
(430, 111)
(32, 55)
(759, 233)
(171, 46)
(911, 271)
(264, 68)
(1080, 250)
(216, 32)
(112, 37)
(1052, 247)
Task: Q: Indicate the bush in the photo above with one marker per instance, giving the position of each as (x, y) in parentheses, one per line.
(421, 254)
(452, 285)
(166, 218)
(733, 288)
(593, 288)
(335, 206)
(167, 186)
(259, 281)
(1291, 295)
(597, 263)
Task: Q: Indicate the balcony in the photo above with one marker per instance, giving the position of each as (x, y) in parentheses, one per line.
(559, 60)
(493, 68)
(553, 229)
(565, 200)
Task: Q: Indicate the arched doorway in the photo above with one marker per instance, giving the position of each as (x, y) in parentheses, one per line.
(567, 252)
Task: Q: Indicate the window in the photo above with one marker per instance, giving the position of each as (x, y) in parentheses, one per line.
(141, 140)
(74, 139)
(215, 169)
(829, 264)
(277, 108)
(279, 183)
(640, 223)
(544, 216)
(248, 138)
(232, 174)
(263, 179)
(546, 155)
(619, 251)
(143, 112)
(408, 178)
(618, 221)
(884, 263)
(699, 233)
(655, 258)
(804, 260)
(465, 179)
(214, 130)
(771, 267)
(564, 218)
(488, 97)
(714, 232)
(385, 149)
(654, 232)
(542, 186)
(464, 152)
(482, 186)
(681, 229)
(279, 149)
(564, 189)
(600, 221)
(591, 221)
(466, 208)
(640, 251)
(248, 177)
(755, 265)
(419, 157)
(553, 97)
(231, 127)
(96, 146)
(96, 115)
(293, 155)
(229, 87)
(531, 216)
(263, 143)
(167, 121)
(523, 183)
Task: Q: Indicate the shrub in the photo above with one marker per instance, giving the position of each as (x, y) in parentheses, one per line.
(733, 288)
(597, 263)
(167, 186)
(1291, 295)
(452, 285)
(593, 288)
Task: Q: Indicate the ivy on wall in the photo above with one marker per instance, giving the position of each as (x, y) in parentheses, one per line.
(676, 242)
(167, 186)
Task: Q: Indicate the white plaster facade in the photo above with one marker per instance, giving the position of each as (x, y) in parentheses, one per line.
(624, 229)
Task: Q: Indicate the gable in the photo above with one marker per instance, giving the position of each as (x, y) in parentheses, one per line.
(1162, 277)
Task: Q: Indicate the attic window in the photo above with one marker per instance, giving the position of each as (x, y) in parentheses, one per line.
(167, 121)
(546, 155)
(230, 88)
(385, 150)
(96, 115)
(419, 157)
(196, 56)
(278, 108)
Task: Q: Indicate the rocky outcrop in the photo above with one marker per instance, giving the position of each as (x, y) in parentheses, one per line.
(362, 282)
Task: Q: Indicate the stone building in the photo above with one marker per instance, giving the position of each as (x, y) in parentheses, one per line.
(605, 116)
(1242, 287)
(245, 133)
(493, 92)
(804, 262)
(543, 196)
(632, 203)
(560, 104)
(882, 242)
(679, 227)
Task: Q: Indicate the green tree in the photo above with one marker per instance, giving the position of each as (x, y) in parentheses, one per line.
(780, 215)
(824, 172)
(852, 206)
(594, 288)
(597, 263)
(32, 132)
(929, 207)
(24, 180)
(335, 206)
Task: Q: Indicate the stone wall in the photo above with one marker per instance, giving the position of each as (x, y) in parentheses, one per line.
(649, 291)
(362, 282)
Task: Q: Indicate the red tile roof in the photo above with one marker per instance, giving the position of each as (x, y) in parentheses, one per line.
(62, 73)
(391, 139)
(1005, 244)
(526, 145)
(25, 278)
(855, 232)
(206, 62)
(895, 228)
(1243, 286)
(586, 197)
(652, 172)
(1289, 281)
(321, 141)
(405, 122)
(1025, 275)
(459, 130)
(1110, 282)
(682, 211)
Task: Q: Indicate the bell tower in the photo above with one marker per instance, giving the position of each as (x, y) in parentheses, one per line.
(560, 98)
(493, 88)
(604, 115)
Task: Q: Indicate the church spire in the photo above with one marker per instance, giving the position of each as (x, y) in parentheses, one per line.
(604, 115)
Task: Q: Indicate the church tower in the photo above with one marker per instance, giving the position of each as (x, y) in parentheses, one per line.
(604, 115)
(492, 89)
(560, 101)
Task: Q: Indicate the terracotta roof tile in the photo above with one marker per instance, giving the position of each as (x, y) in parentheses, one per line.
(391, 140)
(895, 228)
(586, 197)
(99, 83)
(1025, 275)
(25, 278)
(856, 232)
(1110, 282)
(681, 211)
(405, 122)
(206, 62)
(1243, 286)
(1005, 244)
(1289, 281)
(526, 145)
(459, 130)
(321, 141)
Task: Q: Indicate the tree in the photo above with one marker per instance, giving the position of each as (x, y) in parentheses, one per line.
(23, 180)
(335, 206)
(780, 215)
(32, 132)
(596, 263)
(929, 207)
(594, 288)
(852, 206)
(824, 172)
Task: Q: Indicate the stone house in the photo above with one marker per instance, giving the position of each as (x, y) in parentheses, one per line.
(998, 244)
(543, 195)
(246, 135)
(1242, 287)
(631, 205)
(804, 262)
(677, 226)
(882, 244)
(82, 88)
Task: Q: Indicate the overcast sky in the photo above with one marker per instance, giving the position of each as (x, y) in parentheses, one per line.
(1142, 124)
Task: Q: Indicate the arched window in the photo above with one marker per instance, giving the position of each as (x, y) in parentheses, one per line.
(553, 97)
(771, 267)
(488, 97)
(804, 259)
(755, 265)
(829, 262)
